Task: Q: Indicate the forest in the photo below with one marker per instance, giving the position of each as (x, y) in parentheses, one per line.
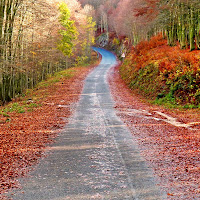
(46, 54)
(39, 38)
(161, 40)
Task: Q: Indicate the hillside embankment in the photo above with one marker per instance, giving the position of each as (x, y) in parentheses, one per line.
(164, 74)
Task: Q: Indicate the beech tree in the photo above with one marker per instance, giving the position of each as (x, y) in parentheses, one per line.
(69, 33)
(8, 13)
(184, 22)
(138, 20)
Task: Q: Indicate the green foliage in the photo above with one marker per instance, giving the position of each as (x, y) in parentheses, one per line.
(19, 108)
(165, 74)
(180, 20)
(32, 105)
(69, 31)
(81, 60)
(185, 86)
(146, 79)
(5, 114)
(64, 74)
(58, 76)
(117, 46)
(89, 27)
(47, 83)
(116, 42)
(177, 89)
(167, 100)
(15, 107)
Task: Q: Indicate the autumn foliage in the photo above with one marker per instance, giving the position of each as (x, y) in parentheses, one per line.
(27, 126)
(173, 152)
(177, 70)
(167, 58)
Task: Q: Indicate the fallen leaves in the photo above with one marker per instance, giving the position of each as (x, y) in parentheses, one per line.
(24, 137)
(173, 152)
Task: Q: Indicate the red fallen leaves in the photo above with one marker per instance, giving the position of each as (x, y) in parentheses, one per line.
(24, 138)
(173, 153)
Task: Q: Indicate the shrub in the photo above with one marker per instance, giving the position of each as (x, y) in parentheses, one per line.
(168, 74)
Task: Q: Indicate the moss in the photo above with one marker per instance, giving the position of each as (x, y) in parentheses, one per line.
(14, 107)
(177, 89)
(146, 79)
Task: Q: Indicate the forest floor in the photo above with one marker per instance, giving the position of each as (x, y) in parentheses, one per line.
(169, 139)
(29, 124)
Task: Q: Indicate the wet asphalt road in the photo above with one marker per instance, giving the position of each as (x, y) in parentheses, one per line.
(95, 157)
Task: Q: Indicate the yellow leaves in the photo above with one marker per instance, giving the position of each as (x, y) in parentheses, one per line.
(34, 53)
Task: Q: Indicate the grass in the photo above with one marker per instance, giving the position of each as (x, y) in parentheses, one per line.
(57, 77)
(32, 105)
(168, 101)
(13, 107)
(26, 106)
(153, 86)
(18, 108)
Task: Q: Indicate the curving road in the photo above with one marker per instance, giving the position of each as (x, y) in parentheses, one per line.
(95, 157)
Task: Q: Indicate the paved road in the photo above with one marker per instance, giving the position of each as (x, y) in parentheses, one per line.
(95, 157)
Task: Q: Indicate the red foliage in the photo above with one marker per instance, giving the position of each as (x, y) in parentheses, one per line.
(141, 11)
(167, 58)
(149, 10)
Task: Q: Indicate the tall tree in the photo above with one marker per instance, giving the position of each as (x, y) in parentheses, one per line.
(68, 33)
(29, 36)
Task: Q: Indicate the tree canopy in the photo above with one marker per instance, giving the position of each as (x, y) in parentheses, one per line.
(179, 20)
(36, 37)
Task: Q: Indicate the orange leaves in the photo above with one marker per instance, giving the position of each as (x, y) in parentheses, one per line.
(167, 58)
(144, 53)
(165, 65)
(22, 141)
(178, 70)
(141, 11)
(172, 152)
(149, 10)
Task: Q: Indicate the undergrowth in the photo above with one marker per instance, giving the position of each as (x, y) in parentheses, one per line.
(29, 101)
(166, 75)
(20, 107)
(58, 76)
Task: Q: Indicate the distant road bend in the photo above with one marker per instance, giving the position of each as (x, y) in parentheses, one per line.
(95, 157)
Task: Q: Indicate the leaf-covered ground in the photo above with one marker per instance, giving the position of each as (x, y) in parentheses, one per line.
(28, 125)
(173, 152)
